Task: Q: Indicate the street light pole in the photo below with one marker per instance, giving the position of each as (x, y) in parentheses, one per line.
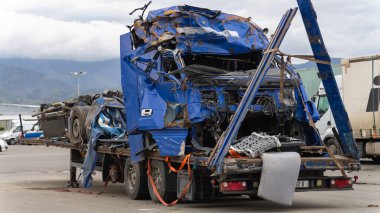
(78, 75)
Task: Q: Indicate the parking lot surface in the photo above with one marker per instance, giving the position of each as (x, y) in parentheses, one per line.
(33, 179)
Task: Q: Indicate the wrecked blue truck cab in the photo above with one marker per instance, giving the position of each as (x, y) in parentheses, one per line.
(189, 73)
(209, 90)
(184, 71)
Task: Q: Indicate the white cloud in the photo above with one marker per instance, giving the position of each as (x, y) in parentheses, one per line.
(30, 36)
(90, 29)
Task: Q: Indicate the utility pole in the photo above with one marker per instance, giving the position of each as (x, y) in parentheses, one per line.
(78, 75)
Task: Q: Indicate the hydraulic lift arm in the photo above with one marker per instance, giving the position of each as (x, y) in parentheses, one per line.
(326, 74)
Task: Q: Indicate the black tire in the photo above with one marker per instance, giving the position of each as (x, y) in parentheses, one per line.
(165, 182)
(376, 160)
(1, 150)
(77, 127)
(333, 144)
(12, 141)
(255, 197)
(135, 180)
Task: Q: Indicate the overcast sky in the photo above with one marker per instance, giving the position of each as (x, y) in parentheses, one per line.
(89, 29)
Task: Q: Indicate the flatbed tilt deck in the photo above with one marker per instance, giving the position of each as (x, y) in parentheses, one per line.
(208, 90)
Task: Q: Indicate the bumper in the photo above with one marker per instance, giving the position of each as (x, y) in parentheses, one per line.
(335, 183)
(234, 166)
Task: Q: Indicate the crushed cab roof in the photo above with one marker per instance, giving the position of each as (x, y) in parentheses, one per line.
(199, 31)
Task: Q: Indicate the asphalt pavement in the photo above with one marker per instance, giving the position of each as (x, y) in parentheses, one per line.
(34, 178)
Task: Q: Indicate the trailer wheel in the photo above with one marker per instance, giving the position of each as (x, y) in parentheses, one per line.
(333, 144)
(12, 141)
(135, 180)
(78, 129)
(165, 182)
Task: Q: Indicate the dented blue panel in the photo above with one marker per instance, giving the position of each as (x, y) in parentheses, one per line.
(151, 100)
(130, 79)
(129, 83)
(197, 112)
(171, 142)
(302, 99)
(136, 145)
(200, 31)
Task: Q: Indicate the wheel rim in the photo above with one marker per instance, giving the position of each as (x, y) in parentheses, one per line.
(333, 148)
(132, 177)
(156, 175)
(76, 127)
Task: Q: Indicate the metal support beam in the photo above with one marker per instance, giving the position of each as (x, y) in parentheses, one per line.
(73, 172)
(217, 156)
(328, 79)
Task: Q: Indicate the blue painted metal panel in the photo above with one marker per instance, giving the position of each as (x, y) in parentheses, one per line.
(171, 142)
(136, 145)
(152, 100)
(29, 135)
(130, 81)
(200, 31)
(107, 122)
(327, 76)
(301, 115)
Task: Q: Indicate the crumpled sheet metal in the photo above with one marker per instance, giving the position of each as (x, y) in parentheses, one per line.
(256, 144)
(199, 30)
(106, 120)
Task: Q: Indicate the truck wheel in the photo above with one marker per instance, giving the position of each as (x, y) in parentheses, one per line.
(165, 182)
(333, 144)
(255, 197)
(78, 129)
(135, 180)
(12, 141)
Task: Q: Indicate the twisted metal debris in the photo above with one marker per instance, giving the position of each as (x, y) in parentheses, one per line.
(256, 144)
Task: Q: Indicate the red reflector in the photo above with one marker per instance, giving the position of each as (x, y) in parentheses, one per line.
(341, 183)
(213, 182)
(233, 186)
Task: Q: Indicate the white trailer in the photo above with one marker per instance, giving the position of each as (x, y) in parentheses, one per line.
(359, 87)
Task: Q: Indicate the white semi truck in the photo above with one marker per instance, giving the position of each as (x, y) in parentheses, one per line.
(359, 87)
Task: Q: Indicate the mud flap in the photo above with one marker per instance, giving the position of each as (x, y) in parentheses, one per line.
(279, 176)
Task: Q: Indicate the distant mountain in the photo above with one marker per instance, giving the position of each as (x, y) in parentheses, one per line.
(311, 64)
(34, 81)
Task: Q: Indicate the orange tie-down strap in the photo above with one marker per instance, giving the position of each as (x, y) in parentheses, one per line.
(234, 154)
(184, 191)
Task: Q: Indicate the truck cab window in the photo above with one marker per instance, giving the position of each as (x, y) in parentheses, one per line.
(323, 105)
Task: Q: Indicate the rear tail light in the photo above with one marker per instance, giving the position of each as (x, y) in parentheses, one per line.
(233, 186)
(341, 183)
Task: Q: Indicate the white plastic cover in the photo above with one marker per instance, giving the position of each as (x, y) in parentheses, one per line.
(279, 176)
